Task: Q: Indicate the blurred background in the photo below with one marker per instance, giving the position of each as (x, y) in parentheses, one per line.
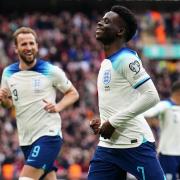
(66, 32)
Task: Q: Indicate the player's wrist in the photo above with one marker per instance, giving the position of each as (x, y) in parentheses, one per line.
(112, 123)
(58, 107)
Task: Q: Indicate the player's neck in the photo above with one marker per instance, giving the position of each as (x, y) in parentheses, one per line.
(24, 66)
(112, 48)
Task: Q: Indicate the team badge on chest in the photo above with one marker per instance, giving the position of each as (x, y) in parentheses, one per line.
(36, 85)
(107, 77)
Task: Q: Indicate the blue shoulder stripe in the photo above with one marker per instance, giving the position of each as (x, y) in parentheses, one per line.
(11, 69)
(140, 83)
(42, 67)
(118, 58)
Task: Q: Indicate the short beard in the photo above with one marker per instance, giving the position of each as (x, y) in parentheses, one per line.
(24, 59)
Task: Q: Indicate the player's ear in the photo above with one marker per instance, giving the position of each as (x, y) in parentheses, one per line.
(15, 50)
(121, 31)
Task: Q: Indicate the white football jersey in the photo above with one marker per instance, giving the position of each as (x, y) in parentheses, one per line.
(169, 116)
(28, 88)
(119, 76)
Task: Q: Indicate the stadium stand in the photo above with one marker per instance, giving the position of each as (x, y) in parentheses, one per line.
(68, 40)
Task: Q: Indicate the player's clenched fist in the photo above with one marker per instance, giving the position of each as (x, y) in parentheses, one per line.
(95, 124)
(106, 130)
(3, 94)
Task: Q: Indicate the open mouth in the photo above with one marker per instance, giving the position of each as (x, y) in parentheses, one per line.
(28, 53)
(99, 30)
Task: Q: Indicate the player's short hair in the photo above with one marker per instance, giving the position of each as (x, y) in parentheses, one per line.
(129, 19)
(23, 30)
(176, 86)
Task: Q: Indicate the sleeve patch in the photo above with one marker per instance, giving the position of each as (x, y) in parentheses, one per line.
(135, 66)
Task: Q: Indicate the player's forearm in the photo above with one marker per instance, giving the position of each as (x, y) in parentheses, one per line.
(149, 97)
(69, 98)
(151, 113)
(156, 110)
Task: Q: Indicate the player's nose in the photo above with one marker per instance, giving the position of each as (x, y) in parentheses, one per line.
(28, 47)
(100, 23)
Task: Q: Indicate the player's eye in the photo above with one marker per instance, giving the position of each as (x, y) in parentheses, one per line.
(23, 44)
(31, 43)
(106, 20)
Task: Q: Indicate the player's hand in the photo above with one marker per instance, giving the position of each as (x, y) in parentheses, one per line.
(106, 130)
(50, 107)
(94, 124)
(3, 94)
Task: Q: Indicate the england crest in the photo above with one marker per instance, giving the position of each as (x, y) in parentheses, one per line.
(107, 77)
(37, 85)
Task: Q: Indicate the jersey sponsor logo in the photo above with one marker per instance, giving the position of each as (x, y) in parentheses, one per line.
(135, 66)
(107, 77)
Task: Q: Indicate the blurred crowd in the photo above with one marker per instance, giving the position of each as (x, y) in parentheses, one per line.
(68, 40)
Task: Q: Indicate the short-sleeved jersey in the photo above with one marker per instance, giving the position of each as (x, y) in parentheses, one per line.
(28, 88)
(119, 77)
(169, 116)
